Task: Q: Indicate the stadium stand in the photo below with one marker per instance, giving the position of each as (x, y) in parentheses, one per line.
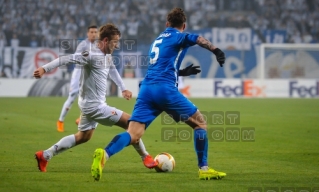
(32, 23)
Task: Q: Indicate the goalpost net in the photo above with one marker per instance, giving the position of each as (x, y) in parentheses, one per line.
(286, 61)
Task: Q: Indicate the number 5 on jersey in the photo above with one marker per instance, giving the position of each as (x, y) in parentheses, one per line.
(155, 50)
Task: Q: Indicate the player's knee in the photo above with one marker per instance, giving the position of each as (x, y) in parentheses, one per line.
(136, 131)
(201, 127)
(196, 124)
(123, 121)
(197, 121)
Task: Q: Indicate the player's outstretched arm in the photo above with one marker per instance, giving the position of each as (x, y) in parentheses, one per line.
(39, 72)
(64, 60)
(115, 76)
(220, 55)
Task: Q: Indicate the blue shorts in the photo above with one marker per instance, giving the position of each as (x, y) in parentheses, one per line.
(155, 98)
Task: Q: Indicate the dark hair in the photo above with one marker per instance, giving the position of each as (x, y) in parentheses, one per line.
(108, 30)
(92, 27)
(176, 17)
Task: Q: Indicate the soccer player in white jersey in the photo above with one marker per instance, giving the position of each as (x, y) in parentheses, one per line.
(86, 44)
(97, 65)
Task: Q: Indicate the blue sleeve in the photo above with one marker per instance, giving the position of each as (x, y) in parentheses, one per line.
(187, 40)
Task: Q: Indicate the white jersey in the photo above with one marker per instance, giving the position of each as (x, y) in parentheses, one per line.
(96, 67)
(85, 45)
(76, 74)
(75, 80)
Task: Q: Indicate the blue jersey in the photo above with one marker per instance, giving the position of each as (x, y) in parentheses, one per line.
(166, 54)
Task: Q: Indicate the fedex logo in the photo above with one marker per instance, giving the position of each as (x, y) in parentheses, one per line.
(303, 90)
(251, 89)
(235, 88)
(232, 89)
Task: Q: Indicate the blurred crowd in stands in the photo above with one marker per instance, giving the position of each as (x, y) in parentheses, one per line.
(33, 23)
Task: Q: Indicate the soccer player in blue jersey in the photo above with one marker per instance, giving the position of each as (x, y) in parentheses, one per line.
(159, 93)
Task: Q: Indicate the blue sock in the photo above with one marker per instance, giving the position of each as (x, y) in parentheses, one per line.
(118, 143)
(201, 146)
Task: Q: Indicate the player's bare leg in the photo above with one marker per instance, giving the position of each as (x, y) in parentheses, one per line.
(198, 123)
(83, 136)
(148, 160)
(136, 131)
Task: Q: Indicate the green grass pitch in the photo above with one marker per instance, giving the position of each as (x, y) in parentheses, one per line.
(285, 152)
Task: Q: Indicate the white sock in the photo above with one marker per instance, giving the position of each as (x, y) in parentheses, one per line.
(65, 143)
(67, 106)
(106, 156)
(140, 148)
(205, 168)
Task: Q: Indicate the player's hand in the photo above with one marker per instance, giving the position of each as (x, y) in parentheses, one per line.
(127, 94)
(220, 56)
(189, 70)
(38, 73)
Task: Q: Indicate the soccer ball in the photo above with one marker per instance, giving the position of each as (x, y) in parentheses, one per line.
(166, 162)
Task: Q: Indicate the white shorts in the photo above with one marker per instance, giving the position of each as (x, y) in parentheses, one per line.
(104, 114)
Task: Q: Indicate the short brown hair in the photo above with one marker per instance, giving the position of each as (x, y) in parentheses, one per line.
(176, 17)
(108, 30)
